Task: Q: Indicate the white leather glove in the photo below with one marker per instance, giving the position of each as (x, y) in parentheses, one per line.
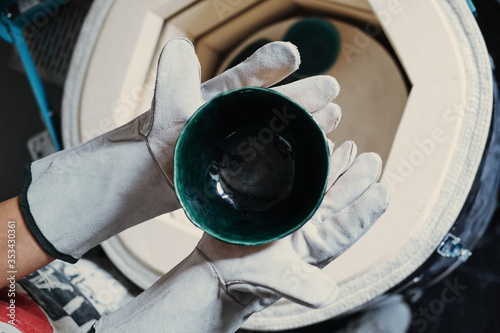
(77, 198)
(218, 286)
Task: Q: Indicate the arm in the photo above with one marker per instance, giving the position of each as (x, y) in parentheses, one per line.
(18, 243)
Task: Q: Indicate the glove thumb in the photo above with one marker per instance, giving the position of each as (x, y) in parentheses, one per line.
(299, 282)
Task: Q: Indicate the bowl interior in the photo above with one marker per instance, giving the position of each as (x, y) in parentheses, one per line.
(250, 166)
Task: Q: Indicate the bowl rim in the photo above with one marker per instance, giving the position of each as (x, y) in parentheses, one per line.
(193, 119)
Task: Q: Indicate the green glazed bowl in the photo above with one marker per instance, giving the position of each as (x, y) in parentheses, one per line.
(319, 45)
(250, 166)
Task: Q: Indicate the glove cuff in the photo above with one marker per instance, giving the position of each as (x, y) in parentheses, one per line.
(47, 246)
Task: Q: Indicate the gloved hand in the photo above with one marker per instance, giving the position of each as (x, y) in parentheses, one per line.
(218, 286)
(77, 198)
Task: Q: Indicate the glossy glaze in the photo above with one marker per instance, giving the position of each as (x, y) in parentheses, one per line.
(250, 166)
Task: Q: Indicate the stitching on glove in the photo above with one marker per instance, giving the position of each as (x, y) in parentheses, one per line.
(47, 246)
(219, 277)
(170, 185)
(274, 294)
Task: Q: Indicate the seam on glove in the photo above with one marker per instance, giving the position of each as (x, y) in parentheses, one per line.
(143, 135)
(158, 164)
(31, 224)
(273, 293)
(347, 164)
(221, 280)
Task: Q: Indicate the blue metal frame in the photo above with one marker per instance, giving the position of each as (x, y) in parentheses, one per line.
(11, 30)
(472, 7)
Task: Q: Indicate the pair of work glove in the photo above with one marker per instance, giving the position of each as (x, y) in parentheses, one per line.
(77, 198)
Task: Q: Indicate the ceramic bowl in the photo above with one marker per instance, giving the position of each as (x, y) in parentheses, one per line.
(250, 166)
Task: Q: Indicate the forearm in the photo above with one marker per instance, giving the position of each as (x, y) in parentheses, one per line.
(190, 298)
(20, 253)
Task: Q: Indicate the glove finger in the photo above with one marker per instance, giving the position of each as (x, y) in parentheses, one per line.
(340, 161)
(328, 117)
(267, 66)
(320, 244)
(351, 184)
(313, 93)
(331, 146)
(299, 282)
(177, 84)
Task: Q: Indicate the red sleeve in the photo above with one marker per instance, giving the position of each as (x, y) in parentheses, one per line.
(19, 310)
